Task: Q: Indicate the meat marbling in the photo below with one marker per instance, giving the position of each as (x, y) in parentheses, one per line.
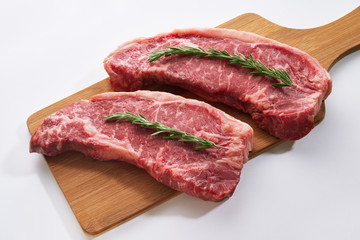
(285, 112)
(210, 174)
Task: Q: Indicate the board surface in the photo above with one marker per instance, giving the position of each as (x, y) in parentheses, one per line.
(105, 194)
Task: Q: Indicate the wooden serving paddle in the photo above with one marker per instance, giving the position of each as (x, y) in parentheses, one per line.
(105, 194)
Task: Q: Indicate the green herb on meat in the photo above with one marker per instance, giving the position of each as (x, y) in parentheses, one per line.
(238, 58)
(201, 143)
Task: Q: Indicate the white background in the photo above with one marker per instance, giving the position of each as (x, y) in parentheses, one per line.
(308, 189)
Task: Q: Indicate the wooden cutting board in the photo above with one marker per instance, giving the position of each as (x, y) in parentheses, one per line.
(105, 194)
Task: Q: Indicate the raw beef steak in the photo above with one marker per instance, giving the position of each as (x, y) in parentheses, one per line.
(285, 112)
(210, 174)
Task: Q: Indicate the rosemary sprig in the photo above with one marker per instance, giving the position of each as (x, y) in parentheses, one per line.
(238, 58)
(201, 143)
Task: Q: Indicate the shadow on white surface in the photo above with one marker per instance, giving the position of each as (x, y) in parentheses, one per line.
(184, 206)
(18, 161)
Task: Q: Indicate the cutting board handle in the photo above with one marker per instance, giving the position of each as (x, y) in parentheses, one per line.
(328, 43)
(337, 39)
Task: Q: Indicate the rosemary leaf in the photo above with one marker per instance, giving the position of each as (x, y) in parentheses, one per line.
(238, 58)
(201, 143)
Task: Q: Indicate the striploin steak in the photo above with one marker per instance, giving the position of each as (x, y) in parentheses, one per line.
(210, 174)
(285, 112)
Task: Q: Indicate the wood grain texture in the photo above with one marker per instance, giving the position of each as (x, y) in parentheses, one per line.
(103, 195)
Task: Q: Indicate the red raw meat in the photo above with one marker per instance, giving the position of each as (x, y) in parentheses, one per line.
(285, 112)
(210, 174)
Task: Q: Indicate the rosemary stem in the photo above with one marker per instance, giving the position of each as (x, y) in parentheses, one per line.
(201, 143)
(238, 58)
